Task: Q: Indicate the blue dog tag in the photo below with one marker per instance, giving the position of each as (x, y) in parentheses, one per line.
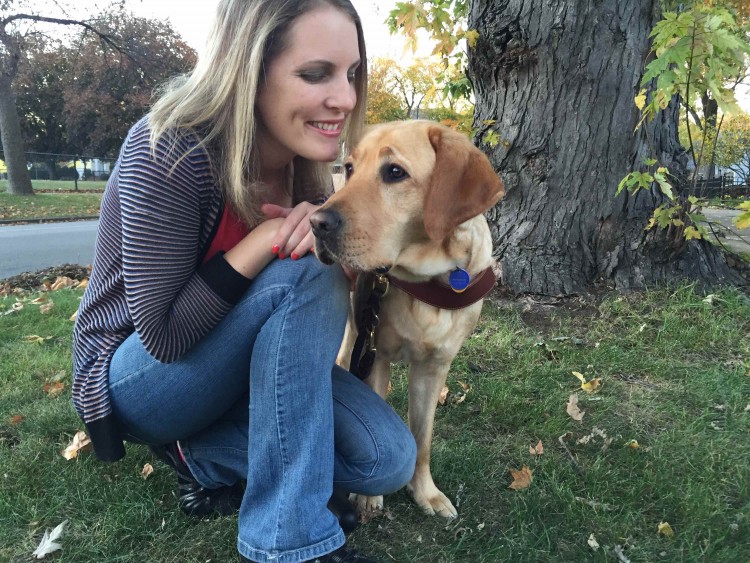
(459, 280)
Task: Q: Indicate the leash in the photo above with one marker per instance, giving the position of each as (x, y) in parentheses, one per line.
(366, 319)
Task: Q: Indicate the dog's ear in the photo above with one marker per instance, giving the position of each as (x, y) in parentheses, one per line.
(463, 183)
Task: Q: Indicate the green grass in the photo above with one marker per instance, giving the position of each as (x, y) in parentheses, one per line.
(52, 199)
(674, 372)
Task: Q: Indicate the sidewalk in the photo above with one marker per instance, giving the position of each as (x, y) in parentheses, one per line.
(732, 239)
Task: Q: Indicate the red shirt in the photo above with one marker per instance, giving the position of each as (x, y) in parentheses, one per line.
(231, 231)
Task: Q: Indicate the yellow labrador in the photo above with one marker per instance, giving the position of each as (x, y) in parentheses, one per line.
(412, 206)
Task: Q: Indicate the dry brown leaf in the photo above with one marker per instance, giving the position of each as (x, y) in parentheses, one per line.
(38, 301)
(16, 419)
(147, 470)
(83, 284)
(572, 408)
(17, 306)
(62, 282)
(80, 443)
(443, 395)
(521, 479)
(54, 389)
(46, 307)
(537, 450)
(465, 386)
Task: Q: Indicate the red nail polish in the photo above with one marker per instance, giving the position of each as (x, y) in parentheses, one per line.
(295, 256)
(275, 249)
(281, 256)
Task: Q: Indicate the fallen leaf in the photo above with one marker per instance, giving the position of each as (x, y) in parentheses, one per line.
(747, 408)
(665, 529)
(620, 552)
(147, 470)
(36, 339)
(80, 443)
(465, 386)
(537, 450)
(54, 389)
(572, 408)
(38, 301)
(593, 544)
(588, 386)
(74, 316)
(49, 542)
(633, 444)
(16, 419)
(62, 282)
(83, 284)
(480, 526)
(595, 432)
(521, 479)
(443, 395)
(46, 307)
(17, 306)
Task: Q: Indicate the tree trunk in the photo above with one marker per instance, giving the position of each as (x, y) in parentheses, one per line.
(19, 182)
(556, 80)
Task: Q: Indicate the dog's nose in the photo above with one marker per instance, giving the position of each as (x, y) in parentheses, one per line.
(325, 222)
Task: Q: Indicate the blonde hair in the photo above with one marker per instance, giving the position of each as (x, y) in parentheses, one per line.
(218, 98)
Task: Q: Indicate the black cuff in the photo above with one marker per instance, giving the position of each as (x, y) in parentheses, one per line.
(105, 436)
(224, 280)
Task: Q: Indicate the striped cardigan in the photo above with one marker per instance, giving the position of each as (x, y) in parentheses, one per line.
(155, 225)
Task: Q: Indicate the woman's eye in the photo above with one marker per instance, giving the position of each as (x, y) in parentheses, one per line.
(351, 76)
(393, 173)
(348, 169)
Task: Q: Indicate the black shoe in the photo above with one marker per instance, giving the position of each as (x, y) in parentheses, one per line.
(195, 499)
(343, 554)
(343, 510)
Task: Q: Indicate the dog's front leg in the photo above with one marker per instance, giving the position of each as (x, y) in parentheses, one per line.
(378, 381)
(426, 380)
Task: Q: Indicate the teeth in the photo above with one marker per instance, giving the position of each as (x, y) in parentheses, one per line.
(326, 126)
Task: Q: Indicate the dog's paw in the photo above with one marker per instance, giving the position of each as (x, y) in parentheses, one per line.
(367, 507)
(433, 501)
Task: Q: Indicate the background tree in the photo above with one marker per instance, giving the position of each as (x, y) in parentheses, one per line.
(733, 147)
(555, 82)
(382, 104)
(416, 85)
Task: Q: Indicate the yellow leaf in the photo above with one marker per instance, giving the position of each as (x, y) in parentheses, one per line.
(35, 339)
(640, 99)
(632, 444)
(73, 317)
(62, 282)
(83, 284)
(471, 38)
(147, 470)
(665, 529)
(580, 376)
(521, 479)
(592, 386)
(81, 442)
(572, 408)
(692, 233)
(742, 221)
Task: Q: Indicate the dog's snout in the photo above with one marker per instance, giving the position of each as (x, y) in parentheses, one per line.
(325, 222)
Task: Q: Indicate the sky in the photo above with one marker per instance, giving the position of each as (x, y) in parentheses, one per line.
(189, 18)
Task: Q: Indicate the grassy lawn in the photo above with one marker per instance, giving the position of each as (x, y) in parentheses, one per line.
(675, 372)
(52, 199)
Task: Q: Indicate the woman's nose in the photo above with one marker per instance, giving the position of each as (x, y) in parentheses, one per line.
(343, 95)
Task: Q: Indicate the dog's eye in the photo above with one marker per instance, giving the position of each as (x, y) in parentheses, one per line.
(348, 169)
(393, 173)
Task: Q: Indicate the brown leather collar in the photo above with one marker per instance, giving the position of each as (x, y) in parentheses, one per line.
(438, 294)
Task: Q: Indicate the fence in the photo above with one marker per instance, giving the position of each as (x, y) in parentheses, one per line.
(55, 166)
(722, 187)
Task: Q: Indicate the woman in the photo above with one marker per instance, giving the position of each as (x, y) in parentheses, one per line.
(208, 330)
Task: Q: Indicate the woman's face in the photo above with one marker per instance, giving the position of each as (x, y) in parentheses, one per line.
(309, 89)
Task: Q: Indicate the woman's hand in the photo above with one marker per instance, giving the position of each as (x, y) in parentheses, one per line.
(294, 238)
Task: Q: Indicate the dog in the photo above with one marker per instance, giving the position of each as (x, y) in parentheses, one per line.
(411, 214)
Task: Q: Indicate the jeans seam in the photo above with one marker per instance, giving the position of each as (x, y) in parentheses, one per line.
(365, 423)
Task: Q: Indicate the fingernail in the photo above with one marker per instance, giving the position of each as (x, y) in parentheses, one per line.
(275, 249)
(281, 256)
(295, 256)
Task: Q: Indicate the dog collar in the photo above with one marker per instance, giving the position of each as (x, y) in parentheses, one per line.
(444, 296)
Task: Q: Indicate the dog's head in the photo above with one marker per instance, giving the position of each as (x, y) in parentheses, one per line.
(408, 184)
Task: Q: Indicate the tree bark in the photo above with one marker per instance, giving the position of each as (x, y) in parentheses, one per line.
(556, 80)
(19, 182)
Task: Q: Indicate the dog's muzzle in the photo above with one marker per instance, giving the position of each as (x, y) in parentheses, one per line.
(326, 226)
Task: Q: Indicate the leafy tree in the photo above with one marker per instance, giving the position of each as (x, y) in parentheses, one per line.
(733, 147)
(554, 84)
(416, 86)
(382, 104)
(109, 89)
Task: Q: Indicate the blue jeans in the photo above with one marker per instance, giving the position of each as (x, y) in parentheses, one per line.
(257, 399)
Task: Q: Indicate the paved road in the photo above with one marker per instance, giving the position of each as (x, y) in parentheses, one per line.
(29, 248)
(737, 240)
